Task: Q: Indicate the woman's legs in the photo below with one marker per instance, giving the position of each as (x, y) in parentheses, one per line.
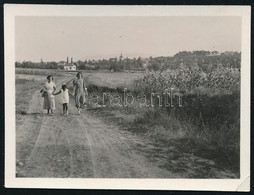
(80, 100)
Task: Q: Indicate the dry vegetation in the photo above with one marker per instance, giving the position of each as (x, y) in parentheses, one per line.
(208, 124)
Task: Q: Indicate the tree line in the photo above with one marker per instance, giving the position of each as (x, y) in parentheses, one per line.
(37, 65)
(185, 59)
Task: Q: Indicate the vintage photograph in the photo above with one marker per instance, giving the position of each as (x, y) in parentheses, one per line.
(131, 97)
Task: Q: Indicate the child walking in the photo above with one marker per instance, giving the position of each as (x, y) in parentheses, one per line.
(65, 98)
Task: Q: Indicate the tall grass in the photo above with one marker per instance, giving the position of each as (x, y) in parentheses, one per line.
(208, 121)
(24, 90)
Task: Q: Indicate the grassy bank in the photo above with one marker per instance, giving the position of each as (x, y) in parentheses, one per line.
(25, 88)
(207, 127)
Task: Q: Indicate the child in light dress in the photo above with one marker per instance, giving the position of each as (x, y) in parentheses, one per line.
(65, 98)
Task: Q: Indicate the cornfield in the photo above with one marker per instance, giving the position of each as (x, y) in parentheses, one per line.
(226, 80)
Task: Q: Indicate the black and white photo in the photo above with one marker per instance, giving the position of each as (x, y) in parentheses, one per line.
(100, 96)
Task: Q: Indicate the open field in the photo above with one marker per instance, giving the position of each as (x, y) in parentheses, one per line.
(113, 80)
(27, 71)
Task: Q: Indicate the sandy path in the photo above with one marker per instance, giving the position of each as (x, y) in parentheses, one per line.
(78, 146)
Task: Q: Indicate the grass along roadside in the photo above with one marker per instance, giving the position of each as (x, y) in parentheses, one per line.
(25, 88)
(190, 154)
(198, 146)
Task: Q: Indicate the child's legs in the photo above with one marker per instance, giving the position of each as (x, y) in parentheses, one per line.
(64, 108)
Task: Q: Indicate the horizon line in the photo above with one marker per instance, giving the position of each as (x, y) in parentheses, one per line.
(132, 57)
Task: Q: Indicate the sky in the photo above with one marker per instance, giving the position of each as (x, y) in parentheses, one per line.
(54, 38)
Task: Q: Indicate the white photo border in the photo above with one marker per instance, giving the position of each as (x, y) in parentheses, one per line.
(13, 10)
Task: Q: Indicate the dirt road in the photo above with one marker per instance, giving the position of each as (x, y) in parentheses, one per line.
(78, 146)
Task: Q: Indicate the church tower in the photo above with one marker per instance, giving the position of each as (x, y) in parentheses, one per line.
(121, 57)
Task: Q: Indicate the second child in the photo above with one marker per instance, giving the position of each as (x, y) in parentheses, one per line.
(65, 98)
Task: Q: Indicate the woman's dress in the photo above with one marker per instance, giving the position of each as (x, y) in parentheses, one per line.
(49, 99)
(79, 95)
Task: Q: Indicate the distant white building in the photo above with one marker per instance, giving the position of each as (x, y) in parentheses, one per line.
(68, 66)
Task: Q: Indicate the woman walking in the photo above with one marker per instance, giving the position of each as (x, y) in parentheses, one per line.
(48, 91)
(80, 91)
